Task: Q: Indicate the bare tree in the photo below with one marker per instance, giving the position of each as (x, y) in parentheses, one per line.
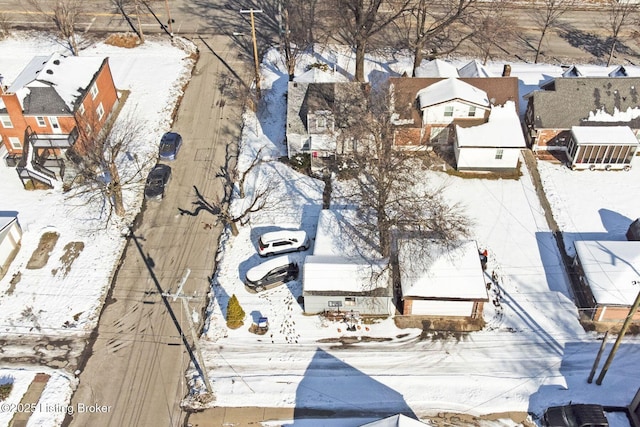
(428, 25)
(390, 188)
(126, 8)
(64, 14)
(491, 26)
(106, 161)
(546, 16)
(357, 21)
(620, 15)
(298, 21)
(249, 199)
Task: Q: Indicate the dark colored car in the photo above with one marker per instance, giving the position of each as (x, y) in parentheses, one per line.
(157, 181)
(272, 273)
(170, 144)
(576, 415)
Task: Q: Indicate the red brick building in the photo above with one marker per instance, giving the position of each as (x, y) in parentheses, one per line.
(42, 110)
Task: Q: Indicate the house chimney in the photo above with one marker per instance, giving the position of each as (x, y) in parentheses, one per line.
(506, 71)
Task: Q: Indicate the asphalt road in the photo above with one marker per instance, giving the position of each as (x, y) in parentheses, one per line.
(136, 369)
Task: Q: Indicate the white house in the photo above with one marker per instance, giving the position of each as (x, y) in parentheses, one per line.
(610, 271)
(601, 147)
(345, 272)
(494, 145)
(447, 100)
(441, 281)
(10, 236)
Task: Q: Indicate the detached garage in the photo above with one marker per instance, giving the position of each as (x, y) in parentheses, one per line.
(10, 236)
(441, 281)
(336, 283)
(601, 147)
(610, 270)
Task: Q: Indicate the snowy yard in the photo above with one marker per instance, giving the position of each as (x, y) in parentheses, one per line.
(533, 352)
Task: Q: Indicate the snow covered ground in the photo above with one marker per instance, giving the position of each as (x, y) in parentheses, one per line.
(49, 301)
(533, 353)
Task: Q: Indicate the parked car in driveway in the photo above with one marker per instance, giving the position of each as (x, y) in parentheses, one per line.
(170, 144)
(157, 182)
(272, 273)
(279, 242)
(575, 415)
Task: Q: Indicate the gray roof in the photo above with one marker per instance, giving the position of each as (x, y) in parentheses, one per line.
(568, 101)
(338, 98)
(44, 101)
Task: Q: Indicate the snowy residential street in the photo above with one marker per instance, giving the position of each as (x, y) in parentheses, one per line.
(532, 352)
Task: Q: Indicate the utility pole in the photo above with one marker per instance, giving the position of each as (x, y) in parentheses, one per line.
(623, 331)
(256, 61)
(599, 355)
(169, 20)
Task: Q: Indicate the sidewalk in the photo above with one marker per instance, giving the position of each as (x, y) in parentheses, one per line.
(31, 397)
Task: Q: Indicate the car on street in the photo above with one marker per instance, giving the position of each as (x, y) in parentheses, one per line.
(282, 241)
(575, 415)
(274, 272)
(170, 144)
(156, 182)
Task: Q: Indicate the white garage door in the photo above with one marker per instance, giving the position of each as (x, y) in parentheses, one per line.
(442, 308)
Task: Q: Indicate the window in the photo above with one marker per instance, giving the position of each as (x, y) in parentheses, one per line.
(472, 111)
(15, 142)
(499, 153)
(100, 111)
(6, 122)
(448, 111)
(81, 110)
(321, 122)
(41, 122)
(349, 301)
(94, 91)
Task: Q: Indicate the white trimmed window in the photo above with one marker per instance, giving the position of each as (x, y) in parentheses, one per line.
(81, 109)
(6, 122)
(448, 111)
(100, 111)
(499, 153)
(321, 122)
(472, 111)
(94, 91)
(41, 121)
(349, 301)
(15, 143)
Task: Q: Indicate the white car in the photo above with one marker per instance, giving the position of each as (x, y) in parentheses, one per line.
(279, 242)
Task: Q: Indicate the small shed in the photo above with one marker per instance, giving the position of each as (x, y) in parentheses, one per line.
(441, 280)
(601, 147)
(494, 145)
(336, 283)
(610, 272)
(10, 237)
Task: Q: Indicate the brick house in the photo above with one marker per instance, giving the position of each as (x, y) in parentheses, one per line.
(425, 111)
(565, 102)
(47, 108)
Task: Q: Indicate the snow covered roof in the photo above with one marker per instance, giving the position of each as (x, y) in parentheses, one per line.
(604, 135)
(6, 219)
(429, 269)
(503, 130)
(586, 70)
(612, 269)
(450, 89)
(317, 75)
(436, 68)
(395, 421)
(332, 273)
(70, 76)
(475, 69)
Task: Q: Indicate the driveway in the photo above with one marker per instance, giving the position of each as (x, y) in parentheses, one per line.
(135, 371)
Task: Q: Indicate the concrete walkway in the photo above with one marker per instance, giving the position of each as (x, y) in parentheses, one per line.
(31, 397)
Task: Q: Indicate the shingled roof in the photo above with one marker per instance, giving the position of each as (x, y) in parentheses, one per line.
(499, 90)
(569, 101)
